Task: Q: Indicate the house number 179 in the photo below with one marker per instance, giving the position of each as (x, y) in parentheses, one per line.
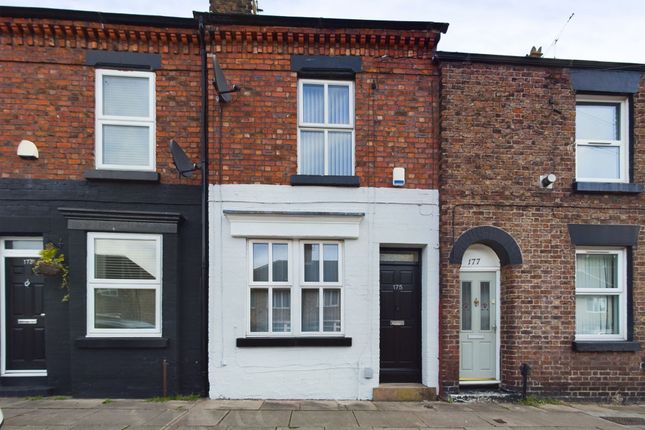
(473, 261)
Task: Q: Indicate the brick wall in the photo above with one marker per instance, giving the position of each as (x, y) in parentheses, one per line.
(47, 93)
(394, 105)
(502, 127)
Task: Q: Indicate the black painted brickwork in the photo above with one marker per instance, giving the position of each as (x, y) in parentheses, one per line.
(30, 207)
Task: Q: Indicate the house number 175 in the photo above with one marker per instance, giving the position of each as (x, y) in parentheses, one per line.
(473, 261)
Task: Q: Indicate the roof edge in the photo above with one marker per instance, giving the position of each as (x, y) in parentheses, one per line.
(533, 61)
(298, 21)
(95, 16)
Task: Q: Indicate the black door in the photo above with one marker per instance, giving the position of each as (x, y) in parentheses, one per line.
(400, 322)
(25, 316)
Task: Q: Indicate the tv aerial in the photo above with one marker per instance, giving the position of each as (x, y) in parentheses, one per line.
(222, 87)
(184, 165)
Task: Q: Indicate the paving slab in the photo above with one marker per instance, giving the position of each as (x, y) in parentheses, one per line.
(357, 405)
(37, 427)
(381, 419)
(321, 405)
(49, 417)
(126, 417)
(281, 405)
(201, 417)
(404, 406)
(327, 419)
(261, 418)
(453, 419)
(65, 403)
(230, 404)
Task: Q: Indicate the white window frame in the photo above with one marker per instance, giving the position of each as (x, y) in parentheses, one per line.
(622, 143)
(101, 120)
(296, 272)
(326, 127)
(144, 284)
(269, 285)
(620, 292)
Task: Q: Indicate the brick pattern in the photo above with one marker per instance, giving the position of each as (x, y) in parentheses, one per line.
(234, 6)
(502, 127)
(48, 94)
(255, 136)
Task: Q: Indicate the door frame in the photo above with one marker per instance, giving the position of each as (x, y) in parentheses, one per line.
(419, 266)
(488, 268)
(10, 253)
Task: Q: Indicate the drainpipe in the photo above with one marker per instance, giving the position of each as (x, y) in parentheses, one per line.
(203, 140)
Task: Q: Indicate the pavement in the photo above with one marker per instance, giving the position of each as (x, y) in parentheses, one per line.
(108, 414)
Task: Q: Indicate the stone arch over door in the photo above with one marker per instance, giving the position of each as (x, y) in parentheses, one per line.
(495, 238)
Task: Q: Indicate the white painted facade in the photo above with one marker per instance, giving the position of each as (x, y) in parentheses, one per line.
(363, 219)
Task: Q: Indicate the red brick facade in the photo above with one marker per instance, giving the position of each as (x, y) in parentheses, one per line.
(395, 102)
(502, 127)
(55, 107)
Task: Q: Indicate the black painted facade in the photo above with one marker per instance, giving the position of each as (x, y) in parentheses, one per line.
(63, 212)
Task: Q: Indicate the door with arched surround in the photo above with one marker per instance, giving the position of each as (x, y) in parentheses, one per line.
(479, 316)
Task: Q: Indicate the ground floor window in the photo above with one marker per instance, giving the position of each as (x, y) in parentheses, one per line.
(601, 294)
(295, 287)
(124, 273)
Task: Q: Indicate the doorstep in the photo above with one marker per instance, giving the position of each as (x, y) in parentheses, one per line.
(403, 392)
(483, 393)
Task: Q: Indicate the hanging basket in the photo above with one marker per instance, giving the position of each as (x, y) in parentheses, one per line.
(47, 269)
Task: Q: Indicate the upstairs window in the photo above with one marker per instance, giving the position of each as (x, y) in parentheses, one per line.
(602, 147)
(325, 127)
(125, 120)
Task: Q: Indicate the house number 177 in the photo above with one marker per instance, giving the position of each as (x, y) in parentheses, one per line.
(473, 261)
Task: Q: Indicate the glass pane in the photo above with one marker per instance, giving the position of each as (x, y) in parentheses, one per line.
(601, 162)
(125, 259)
(313, 103)
(405, 257)
(466, 310)
(597, 315)
(124, 308)
(331, 310)
(330, 262)
(24, 244)
(596, 271)
(259, 310)
(126, 145)
(310, 310)
(338, 104)
(126, 96)
(312, 158)
(484, 311)
(340, 153)
(312, 262)
(598, 121)
(281, 310)
(280, 257)
(260, 262)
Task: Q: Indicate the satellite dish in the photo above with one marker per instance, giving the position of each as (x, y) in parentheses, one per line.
(221, 84)
(184, 165)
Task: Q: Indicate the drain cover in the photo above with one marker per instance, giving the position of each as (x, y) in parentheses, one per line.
(626, 421)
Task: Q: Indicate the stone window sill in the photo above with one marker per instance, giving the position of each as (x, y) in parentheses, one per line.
(607, 187)
(121, 175)
(121, 342)
(606, 346)
(247, 342)
(326, 181)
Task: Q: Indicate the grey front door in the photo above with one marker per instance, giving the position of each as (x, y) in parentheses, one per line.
(478, 335)
(25, 322)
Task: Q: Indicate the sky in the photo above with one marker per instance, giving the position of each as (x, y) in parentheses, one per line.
(599, 30)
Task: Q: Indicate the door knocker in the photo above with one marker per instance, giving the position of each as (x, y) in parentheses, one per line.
(476, 302)
(27, 283)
